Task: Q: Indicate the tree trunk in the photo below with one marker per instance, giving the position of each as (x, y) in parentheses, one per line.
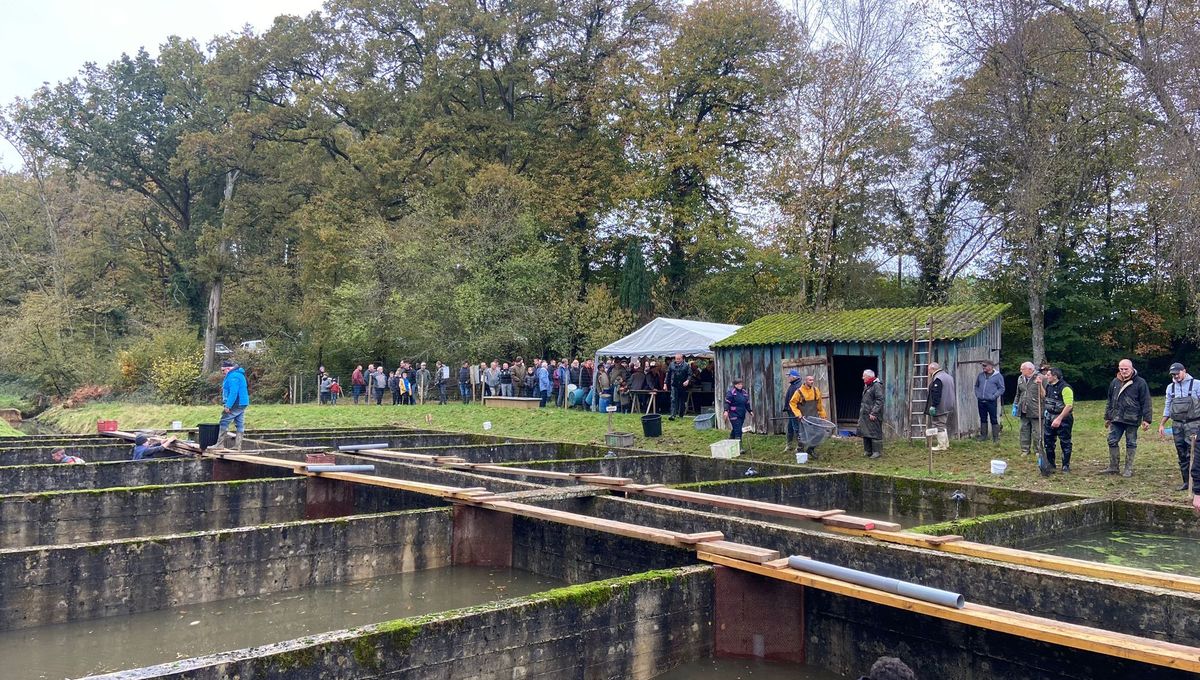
(213, 315)
(1037, 320)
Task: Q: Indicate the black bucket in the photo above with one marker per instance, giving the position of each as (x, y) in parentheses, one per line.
(208, 434)
(652, 425)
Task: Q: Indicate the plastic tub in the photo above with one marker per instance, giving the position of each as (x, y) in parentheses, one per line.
(207, 434)
(106, 426)
(998, 467)
(705, 421)
(621, 439)
(652, 425)
(801, 457)
(726, 448)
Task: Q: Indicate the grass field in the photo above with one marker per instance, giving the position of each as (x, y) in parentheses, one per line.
(7, 430)
(1155, 477)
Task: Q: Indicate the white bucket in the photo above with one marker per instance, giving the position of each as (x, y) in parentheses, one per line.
(802, 457)
(487, 424)
(176, 424)
(998, 467)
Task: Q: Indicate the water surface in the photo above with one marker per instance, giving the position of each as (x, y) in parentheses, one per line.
(72, 650)
(1130, 548)
(746, 669)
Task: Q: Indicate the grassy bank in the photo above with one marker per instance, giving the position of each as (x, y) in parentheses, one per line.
(968, 461)
(7, 430)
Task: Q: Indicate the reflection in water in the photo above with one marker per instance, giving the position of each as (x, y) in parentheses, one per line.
(1160, 552)
(746, 669)
(72, 650)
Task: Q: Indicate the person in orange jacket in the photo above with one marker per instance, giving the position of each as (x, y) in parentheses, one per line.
(806, 401)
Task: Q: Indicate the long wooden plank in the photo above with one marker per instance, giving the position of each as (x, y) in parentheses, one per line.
(861, 523)
(1071, 635)
(739, 551)
(1111, 572)
(731, 503)
(661, 536)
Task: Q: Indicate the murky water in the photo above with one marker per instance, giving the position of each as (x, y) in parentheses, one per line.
(1129, 548)
(746, 669)
(119, 643)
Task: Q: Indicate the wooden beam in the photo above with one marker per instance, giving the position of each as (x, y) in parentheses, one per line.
(861, 523)
(739, 552)
(731, 503)
(1071, 635)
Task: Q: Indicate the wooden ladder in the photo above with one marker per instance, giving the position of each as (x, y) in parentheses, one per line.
(918, 389)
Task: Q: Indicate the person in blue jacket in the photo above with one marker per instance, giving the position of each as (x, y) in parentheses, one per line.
(737, 408)
(235, 398)
(544, 383)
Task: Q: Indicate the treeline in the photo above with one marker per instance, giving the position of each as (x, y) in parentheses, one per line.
(450, 179)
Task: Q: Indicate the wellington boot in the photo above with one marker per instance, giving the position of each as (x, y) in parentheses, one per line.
(1183, 472)
(1129, 456)
(943, 441)
(1114, 461)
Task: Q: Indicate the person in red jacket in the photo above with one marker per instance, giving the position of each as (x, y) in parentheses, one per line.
(357, 383)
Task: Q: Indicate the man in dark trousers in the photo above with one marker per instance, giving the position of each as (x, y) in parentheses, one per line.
(793, 426)
(989, 388)
(1183, 409)
(679, 376)
(870, 415)
(1059, 421)
(737, 408)
(1128, 406)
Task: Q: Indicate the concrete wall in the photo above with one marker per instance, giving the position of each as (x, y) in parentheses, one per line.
(630, 628)
(1026, 528)
(92, 453)
(58, 477)
(663, 469)
(110, 578)
(1138, 610)
(79, 516)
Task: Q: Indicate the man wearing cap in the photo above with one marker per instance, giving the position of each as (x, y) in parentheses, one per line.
(1128, 406)
(235, 398)
(1183, 409)
(793, 426)
(989, 389)
(942, 401)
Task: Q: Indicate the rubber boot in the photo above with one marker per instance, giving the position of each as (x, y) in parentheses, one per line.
(995, 435)
(983, 431)
(943, 441)
(1129, 456)
(1114, 461)
(238, 438)
(1183, 472)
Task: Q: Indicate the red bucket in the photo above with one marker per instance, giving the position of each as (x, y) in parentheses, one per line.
(106, 426)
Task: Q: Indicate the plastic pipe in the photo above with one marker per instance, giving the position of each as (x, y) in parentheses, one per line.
(340, 468)
(360, 447)
(891, 585)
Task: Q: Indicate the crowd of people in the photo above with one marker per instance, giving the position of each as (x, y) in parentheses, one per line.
(576, 383)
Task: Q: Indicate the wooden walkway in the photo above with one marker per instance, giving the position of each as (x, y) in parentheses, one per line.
(711, 547)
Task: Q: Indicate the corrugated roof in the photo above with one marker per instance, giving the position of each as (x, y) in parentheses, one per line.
(892, 324)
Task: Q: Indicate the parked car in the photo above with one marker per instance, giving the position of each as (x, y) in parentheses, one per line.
(222, 349)
(255, 345)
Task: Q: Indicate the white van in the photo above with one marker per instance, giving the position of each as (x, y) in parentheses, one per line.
(254, 345)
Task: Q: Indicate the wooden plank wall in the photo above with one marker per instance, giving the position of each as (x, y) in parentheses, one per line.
(761, 366)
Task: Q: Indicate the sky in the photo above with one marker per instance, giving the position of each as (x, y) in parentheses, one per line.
(47, 41)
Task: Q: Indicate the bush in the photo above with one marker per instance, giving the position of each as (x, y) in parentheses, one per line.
(176, 378)
(135, 364)
(86, 393)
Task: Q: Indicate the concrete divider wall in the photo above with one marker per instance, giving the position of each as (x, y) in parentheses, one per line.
(421, 472)
(59, 477)
(84, 581)
(92, 453)
(1178, 520)
(633, 628)
(393, 440)
(52, 440)
(93, 515)
(1126, 608)
(664, 468)
(493, 453)
(577, 555)
(1026, 528)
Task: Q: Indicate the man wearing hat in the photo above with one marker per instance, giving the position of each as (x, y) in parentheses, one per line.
(235, 398)
(989, 389)
(144, 447)
(1183, 409)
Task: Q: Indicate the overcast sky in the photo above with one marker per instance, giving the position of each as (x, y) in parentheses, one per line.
(46, 41)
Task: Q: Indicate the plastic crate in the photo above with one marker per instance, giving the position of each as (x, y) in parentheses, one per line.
(726, 448)
(621, 439)
(106, 426)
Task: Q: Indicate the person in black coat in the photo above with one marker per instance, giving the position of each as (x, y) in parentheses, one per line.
(1128, 406)
(737, 408)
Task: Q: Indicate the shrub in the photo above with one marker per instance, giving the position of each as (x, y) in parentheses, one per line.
(86, 393)
(176, 378)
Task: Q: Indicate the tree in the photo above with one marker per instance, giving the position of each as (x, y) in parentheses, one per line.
(635, 282)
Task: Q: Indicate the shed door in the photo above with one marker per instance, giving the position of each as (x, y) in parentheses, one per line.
(965, 372)
(818, 368)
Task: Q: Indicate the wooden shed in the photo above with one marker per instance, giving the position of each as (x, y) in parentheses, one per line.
(836, 347)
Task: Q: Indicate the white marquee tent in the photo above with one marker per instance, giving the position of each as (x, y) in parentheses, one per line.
(664, 337)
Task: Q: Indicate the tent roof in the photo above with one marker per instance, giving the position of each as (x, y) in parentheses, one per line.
(662, 337)
(866, 325)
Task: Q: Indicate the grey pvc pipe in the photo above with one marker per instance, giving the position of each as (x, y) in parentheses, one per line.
(360, 447)
(891, 585)
(340, 468)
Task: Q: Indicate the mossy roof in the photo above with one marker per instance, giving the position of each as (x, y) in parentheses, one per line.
(892, 324)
